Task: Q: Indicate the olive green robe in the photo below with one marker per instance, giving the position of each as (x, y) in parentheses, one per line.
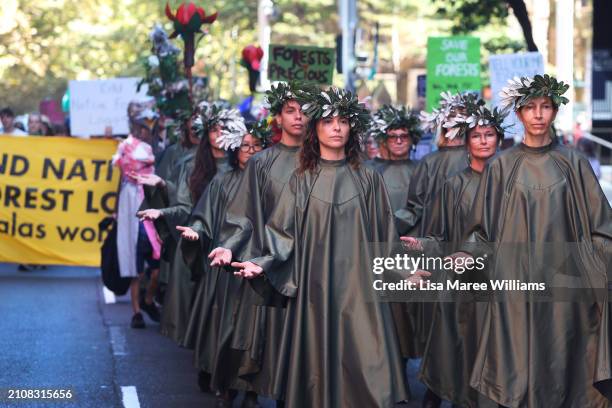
(398, 175)
(211, 322)
(169, 169)
(456, 323)
(258, 327)
(178, 297)
(542, 215)
(343, 350)
(428, 177)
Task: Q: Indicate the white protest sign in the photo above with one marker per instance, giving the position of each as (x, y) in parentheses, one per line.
(506, 66)
(96, 104)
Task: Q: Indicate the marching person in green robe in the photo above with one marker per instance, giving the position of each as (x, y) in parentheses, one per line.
(259, 328)
(435, 168)
(161, 190)
(427, 178)
(211, 122)
(456, 324)
(397, 129)
(343, 350)
(413, 218)
(543, 217)
(211, 323)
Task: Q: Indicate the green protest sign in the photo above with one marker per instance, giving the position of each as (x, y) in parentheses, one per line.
(292, 62)
(453, 64)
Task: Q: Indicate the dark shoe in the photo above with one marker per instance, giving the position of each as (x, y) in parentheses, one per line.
(250, 400)
(151, 310)
(204, 381)
(24, 268)
(431, 400)
(280, 404)
(137, 321)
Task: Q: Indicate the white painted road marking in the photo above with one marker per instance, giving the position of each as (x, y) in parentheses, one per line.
(117, 339)
(130, 397)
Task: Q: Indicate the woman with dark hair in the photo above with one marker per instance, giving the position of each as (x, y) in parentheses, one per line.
(194, 175)
(211, 323)
(342, 349)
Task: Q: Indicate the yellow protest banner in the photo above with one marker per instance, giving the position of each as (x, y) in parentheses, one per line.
(53, 193)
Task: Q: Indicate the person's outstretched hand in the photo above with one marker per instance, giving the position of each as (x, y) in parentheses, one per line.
(150, 214)
(188, 234)
(247, 270)
(220, 257)
(411, 243)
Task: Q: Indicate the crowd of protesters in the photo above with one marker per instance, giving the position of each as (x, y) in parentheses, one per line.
(246, 242)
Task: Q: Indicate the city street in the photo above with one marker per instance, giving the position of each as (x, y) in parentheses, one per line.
(61, 330)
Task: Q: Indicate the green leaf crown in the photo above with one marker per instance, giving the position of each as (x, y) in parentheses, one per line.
(521, 90)
(389, 117)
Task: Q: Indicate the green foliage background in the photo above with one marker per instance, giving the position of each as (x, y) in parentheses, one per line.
(45, 43)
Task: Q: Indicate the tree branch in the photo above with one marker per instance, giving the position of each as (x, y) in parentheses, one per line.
(520, 11)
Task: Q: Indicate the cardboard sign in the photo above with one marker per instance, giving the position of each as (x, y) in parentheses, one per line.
(96, 104)
(310, 64)
(453, 65)
(503, 67)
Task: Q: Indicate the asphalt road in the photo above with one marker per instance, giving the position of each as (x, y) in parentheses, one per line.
(57, 332)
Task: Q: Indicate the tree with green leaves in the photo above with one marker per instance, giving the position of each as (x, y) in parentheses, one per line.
(470, 15)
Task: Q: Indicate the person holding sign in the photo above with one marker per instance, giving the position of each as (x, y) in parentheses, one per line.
(243, 234)
(211, 323)
(553, 353)
(342, 350)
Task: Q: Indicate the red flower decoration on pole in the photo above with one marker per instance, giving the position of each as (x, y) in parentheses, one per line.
(188, 21)
(252, 56)
(251, 60)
